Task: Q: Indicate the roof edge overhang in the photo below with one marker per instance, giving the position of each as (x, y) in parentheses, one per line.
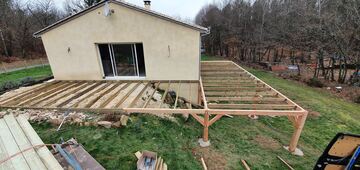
(201, 29)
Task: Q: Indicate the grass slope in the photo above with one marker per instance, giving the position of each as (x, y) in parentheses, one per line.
(16, 76)
(256, 141)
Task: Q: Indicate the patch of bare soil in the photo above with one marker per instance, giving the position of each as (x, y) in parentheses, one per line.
(213, 160)
(314, 113)
(267, 142)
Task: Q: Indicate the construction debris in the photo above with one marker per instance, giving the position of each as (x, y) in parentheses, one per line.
(203, 163)
(148, 160)
(71, 154)
(287, 164)
(105, 124)
(246, 166)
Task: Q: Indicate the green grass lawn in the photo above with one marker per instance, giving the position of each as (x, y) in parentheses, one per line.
(256, 141)
(17, 76)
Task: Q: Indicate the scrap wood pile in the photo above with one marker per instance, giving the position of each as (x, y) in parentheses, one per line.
(21, 148)
(149, 161)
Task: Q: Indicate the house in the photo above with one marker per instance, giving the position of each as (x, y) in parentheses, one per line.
(115, 40)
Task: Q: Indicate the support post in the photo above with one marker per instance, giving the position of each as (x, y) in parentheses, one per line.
(204, 142)
(206, 127)
(296, 135)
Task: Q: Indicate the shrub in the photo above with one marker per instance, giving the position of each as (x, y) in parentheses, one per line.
(357, 99)
(9, 85)
(314, 82)
(27, 80)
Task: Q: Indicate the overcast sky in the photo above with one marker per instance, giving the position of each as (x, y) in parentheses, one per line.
(186, 9)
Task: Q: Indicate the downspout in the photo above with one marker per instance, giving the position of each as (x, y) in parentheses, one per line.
(202, 34)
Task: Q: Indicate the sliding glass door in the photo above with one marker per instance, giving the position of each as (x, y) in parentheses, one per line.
(122, 60)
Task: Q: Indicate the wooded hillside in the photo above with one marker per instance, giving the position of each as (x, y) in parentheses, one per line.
(304, 31)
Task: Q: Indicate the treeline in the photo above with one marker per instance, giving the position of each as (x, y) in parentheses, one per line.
(304, 31)
(20, 19)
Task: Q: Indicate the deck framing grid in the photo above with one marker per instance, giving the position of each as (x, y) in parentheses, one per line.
(297, 116)
(206, 116)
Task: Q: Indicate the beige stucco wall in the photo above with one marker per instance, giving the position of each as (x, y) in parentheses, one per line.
(125, 25)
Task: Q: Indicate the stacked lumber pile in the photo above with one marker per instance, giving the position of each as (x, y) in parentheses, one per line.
(21, 147)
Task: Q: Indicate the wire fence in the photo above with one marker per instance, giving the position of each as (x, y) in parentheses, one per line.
(23, 64)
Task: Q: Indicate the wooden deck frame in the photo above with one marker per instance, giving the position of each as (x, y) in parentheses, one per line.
(240, 86)
(296, 114)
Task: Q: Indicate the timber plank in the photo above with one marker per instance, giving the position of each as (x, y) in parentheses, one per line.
(91, 99)
(252, 106)
(247, 99)
(20, 95)
(31, 157)
(139, 95)
(7, 139)
(99, 95)
(64, 94)
(133, 96)
(76, 102)
(165, 93)
(151, 96)
(46, 156)
(235, 88)
(79, 94)
(112, 96)
(35, 102)
(43, 94)
(123, 94)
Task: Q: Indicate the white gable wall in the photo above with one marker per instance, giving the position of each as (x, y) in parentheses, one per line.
(123, 26)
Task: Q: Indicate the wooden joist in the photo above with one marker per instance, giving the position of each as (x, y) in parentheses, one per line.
(247, 99)
(252, 106)
(240, 93)
(100, 94)
(236, 88)
(151, 95)
(20, 95)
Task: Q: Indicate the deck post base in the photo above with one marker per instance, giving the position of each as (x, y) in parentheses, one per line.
(297, 151)
(204, 144)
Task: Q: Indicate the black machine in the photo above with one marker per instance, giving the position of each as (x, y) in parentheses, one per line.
(342, 153)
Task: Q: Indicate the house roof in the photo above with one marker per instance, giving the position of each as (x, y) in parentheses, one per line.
(122, 3)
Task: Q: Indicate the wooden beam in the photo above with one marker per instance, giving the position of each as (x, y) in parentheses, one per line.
(247, 99)
(43, 94)
(20, 95)
(139, 95)
(239, 112)
(87, 89)
(126, 96)
(177, 95)
(164, 95)
(151, 95)
(9, 143)
(298, 129)
(54, 94)
(203, 94)
(64, 94)
(115, 94)
(253, 106)
(240, 93)
(206, 127)
(213, 120)
(198, 118)
(31, 157)
(236, 88)
(101, 94)
(86, 95)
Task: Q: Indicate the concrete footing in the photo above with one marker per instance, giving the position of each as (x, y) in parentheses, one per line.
(203, 144)
(297, 151)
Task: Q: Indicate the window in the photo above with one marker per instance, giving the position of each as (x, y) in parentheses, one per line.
(122, 60)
